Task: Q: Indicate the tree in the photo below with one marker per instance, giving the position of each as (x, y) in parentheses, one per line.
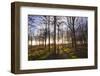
(49, 31)
(45, 22)
(59, 23)
(71, 26)
(55, 35)
(30, 29)
(82, 30)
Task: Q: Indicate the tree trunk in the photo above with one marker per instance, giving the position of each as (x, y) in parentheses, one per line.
(31, 38)
(74, 36)
(58, 41)
(31, 41)
(45, 35)
(49, 31)
(62, 38)
(55, 35)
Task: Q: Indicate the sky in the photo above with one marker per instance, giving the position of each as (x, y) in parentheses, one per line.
(37, 22)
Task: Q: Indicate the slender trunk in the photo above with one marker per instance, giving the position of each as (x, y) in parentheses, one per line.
(55, 34)
(49, 31)
(39, 37)
(31, 41)
(72, 40)
(45, 34)
(62, 36)
(45, 31)
(74, 36)
(31, 38)
(39, 41)
(58, 40)
(62, 39)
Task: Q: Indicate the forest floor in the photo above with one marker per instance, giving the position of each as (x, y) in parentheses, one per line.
(40, 52)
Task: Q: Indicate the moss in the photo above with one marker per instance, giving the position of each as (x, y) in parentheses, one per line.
(74, 57)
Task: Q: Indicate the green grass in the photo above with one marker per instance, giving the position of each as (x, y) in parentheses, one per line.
(42, 53)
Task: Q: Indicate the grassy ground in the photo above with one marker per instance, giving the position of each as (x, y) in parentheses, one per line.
(62, 52)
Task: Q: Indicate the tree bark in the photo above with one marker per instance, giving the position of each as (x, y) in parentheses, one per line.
(55, 34)
(74, 36)
(49, 31)
(45, 35)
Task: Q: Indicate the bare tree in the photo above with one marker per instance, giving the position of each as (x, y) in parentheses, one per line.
(71, 26)
(30, 26)
(82, 30)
